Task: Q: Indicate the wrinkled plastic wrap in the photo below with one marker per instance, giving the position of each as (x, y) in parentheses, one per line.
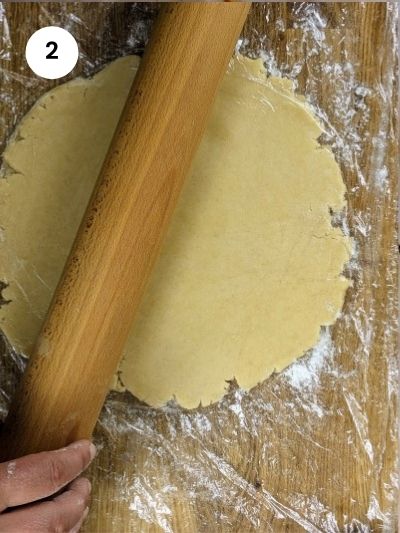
(315, 447)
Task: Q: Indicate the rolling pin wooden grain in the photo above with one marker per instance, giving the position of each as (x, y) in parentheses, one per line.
(80, 345)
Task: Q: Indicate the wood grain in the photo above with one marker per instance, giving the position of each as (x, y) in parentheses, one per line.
(293, 468)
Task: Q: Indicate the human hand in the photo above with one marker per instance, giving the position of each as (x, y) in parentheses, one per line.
(42, 475)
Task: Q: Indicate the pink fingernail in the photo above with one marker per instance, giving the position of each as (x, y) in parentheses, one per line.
(87, 483)
(84, 443)
(93, 451)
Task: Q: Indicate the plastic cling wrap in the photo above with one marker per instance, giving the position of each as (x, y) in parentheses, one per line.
(313, 448)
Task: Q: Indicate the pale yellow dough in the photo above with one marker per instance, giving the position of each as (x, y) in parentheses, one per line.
(251, 267)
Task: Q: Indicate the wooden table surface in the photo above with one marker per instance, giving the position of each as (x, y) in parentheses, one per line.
(315, 457)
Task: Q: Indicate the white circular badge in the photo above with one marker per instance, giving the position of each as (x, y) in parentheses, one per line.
(51, 52)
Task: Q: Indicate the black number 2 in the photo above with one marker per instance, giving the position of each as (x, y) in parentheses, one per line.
(51, 55)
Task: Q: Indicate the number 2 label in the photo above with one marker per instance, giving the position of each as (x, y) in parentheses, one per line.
(57, 44)
(51, 55)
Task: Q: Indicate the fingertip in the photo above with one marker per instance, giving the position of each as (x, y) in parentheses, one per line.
(77, 492)
(86, 484)
(82, 484)
(84, 443)
(93, 451)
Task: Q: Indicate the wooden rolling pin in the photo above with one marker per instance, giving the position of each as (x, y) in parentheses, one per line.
(80, 345)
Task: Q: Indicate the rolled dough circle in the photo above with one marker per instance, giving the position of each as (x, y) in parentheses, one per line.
(251, 266)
